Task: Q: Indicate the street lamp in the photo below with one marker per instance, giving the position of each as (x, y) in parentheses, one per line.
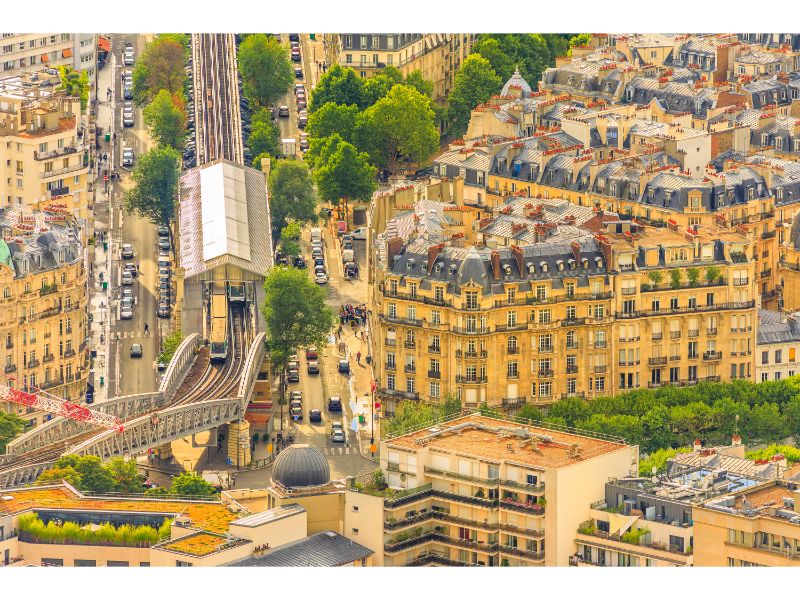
(373, 389)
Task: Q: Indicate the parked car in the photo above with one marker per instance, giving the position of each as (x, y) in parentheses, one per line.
(320, 269)
(347, 244)
(127, 92)
(126, 309)
(293, 364)
(127, 250)
(127, 293)
(163, 310)
(296, 412)
(299, 262)
(127, 278)
(315, 416)
(301, 104)
(293, 376)
(283, 111)
(335, 404)
(311, 353)
(163, 231)
(298, 72)
(316, 251)
(344, 366)
(319, 262)
(131, 268)
(294, 37)
(162, 366)
(359, 234)
(295, 395)
(313, 367)
(127, 119)
(299, 87)
(136, 351)
(320, 278)
(337, 432)
(163, 244)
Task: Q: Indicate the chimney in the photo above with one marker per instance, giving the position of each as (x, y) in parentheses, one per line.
(576, 251)
(517, 252)
(393, 248)
(433, 252)
(736, 440)
(265, 166)
(698, 445)
(495, 264)
(672, 225)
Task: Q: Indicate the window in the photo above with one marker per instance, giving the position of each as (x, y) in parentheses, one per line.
(512, 343)
(390, 42)
(545, 315)
(512, 369)
(363, 39)
(438, 294)
(765, 357)
(436, 317)
(471, 300)
(392, 308)
(511, 318)
(348, 58)
(434, 389)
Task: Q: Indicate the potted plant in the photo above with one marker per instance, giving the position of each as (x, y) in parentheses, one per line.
(693, 274)
(712, 274)
(675, 279)
(479, 493)
(656, 277)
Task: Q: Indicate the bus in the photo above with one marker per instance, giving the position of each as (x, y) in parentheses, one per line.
(219, 327)
(236, 292)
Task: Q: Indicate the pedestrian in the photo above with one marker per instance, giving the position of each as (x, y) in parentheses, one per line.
(146, 328)
(358, 357)
(138, 270)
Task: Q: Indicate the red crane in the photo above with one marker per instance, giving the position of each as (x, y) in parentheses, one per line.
(57, 406)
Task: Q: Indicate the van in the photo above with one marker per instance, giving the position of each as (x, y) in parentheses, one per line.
(348, 255)
(360, 233)
(316, 234)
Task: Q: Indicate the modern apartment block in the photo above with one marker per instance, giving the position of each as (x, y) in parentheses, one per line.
(43, 321)
(539, 299)
(27, 52)
(43, 153)
(475, 490)
(437, 55)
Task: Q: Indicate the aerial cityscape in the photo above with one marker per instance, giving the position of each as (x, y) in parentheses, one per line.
(400, 299)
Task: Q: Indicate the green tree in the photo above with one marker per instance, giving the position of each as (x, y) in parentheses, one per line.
(475, 82)
(10, 427)
(416, 80)
(675, 278)
(657, 424)
(530, 412)
(581, 39)
(378, 86)
(265, 135)
(91, 474)
(340, 85)
(410, 415)
(190, 484)
(266, 71)
(160, 67)
(489, 48)
(155, 183)
(713, 273)
(75, 83)
(166, 119)
(170, 345)
(658, 459)
(571, 410)
(296, 316)
(125, 475)
(532, 53)
(59, 474)
(346, 175)
(291, 195)
(333, 118)
(290, 239)
(656, 277)
(693, 274)
(398, 128)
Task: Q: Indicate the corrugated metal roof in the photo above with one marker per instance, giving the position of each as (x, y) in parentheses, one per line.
(324, 549)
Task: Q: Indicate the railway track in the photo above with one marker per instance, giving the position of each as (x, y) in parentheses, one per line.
(212, 381)
(218, 132)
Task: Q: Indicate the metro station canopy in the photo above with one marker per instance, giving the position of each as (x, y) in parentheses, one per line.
(224, 219)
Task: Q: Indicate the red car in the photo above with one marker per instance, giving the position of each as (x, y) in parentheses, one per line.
(311, 353)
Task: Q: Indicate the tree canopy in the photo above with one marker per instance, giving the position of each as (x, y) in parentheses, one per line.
(165, 117)
(340, 85)
(410, 415)
(155, 183)
(290, 239)
(295, 312)
(75, 83)
(87, 473)
(265, 136)
(475, 82)
(266, 71)
(191, 484)
(532, 53)
(291, 195)
(160, 67)
(346, 174)
(331, 119)
(10, 427)
(398, 128)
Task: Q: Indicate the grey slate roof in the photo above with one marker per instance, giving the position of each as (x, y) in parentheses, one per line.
(324, 549)
(772, 331)
(301, 465)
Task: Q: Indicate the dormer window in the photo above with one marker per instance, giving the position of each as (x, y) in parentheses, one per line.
(751, 193)
(438, 268)
(507, 269)
(598, 262)
(572, 264)
(531, 268)
(612, 188)
(425, 266)
(543, 266)
(764, 139)
(560, 264)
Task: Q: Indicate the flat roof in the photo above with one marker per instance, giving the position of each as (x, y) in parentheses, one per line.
(537, 446)
(211, 516)
(223, 203)
(268, 516)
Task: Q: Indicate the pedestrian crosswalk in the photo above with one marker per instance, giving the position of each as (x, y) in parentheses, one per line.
(123, 335)
(338, 451)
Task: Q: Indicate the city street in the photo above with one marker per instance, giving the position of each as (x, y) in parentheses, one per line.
(127, 375)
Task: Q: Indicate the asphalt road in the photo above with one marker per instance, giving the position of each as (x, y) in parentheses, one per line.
(135, 375)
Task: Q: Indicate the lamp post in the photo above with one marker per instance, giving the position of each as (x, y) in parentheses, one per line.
(373, 389)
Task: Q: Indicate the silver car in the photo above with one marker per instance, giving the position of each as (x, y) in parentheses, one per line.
(126, 309)
(127, 157)
(127, 250)
(127, 278)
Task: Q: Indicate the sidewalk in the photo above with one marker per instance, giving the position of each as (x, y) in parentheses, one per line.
(99, 259)
(360, 389)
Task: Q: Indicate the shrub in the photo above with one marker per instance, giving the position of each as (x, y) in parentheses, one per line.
(588, 527)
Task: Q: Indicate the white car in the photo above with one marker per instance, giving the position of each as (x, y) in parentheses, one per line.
(127, 250)
(127, 157)
(127, 278)
(320, 278)
(126, 309)
(359, 234)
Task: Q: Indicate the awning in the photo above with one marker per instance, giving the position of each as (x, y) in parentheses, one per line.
(45, 57)
(104, 44)
(66, 53)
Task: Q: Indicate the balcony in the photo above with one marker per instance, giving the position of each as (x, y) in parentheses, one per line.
(434, 374)
(51, 384)
(545, 349)
(512, 350)
(565, 395)
(600, 345)
(48, 357)
(712, 355)
(711, 331)
(54, 153)
(390, 342)
(572, 369)
(628, 291)
(524, 507)
(467, 354)
(768, 235)
(434, 349)
(478, 545)
(741, 280)
(514, 327)
(471, 330)
(410, 369)
(529, 554)
(686, 310)
(56, 172)
(693, 356)
(766, 273)
(492, 481)
(470, 379)
(514, 402)
(535, 533)
(400, 320)
(33, 363)
(405, 543)
(628, 363)
(391, 366)
(600, 368)
(409, 344)
(474, 500)
(655, 361)
(530, 488)
(635, 338)
(545, 372)
(399, 394)
(11, 368)
(415, 297)
(674, 335)
(573, 322)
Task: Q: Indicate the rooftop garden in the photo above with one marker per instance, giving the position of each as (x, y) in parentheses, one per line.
(200, 544)
(103, 534)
